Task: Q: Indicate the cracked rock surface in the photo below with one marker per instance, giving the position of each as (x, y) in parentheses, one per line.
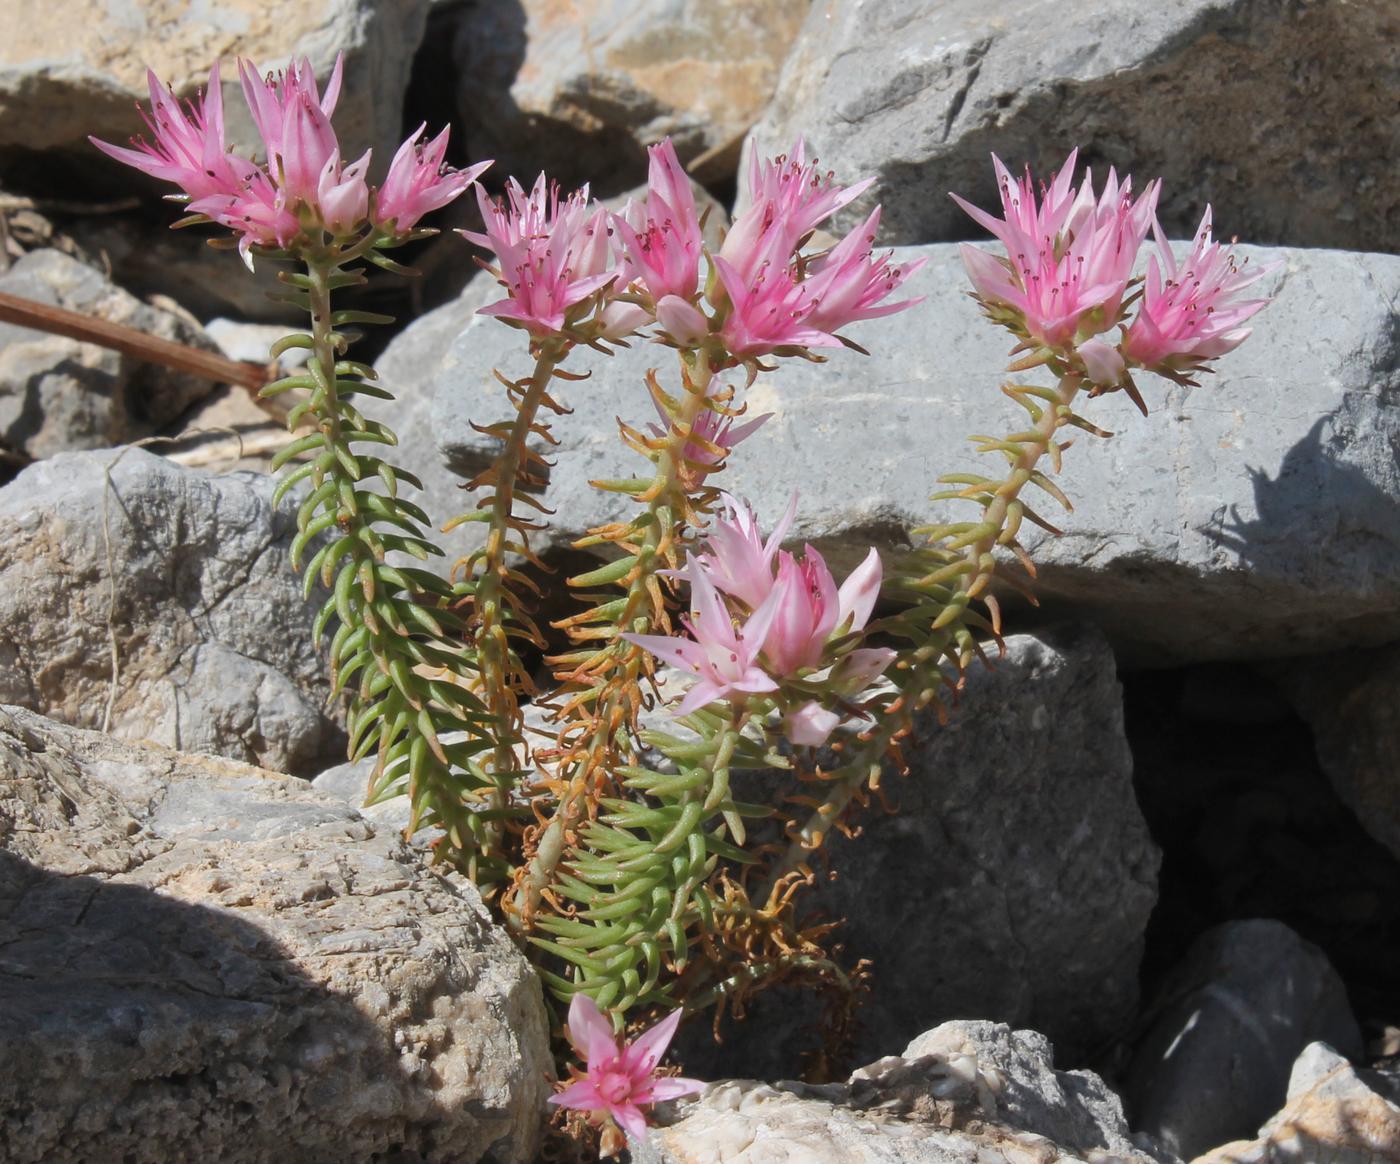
(212, 635)
(1281, 115)
(963, 1093)
(203, 960)
(1257, 515)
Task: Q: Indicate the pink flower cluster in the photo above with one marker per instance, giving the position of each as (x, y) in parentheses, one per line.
(785, 618)
(1068, 269)
(765, 295)
(304, 184)
(554, 254)
(620, 1078)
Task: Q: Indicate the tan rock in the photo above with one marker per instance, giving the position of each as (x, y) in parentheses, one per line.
(611, 76)
(1335, 1114)
(69, 68)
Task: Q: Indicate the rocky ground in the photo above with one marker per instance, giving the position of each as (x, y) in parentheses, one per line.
(1162, 834)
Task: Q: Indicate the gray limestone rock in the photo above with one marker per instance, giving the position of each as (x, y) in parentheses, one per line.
(203, 960)
(1014, 881)
(418, 364)
(1247, 998)
(185, 577)
(1280, 114)
(57, 394)
(1254, 516)
(964, 1093)
(240, 339)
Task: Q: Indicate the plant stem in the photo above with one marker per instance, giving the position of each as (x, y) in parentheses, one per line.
(610, 711)
(396, 629)
(975, 567)
(499, 667)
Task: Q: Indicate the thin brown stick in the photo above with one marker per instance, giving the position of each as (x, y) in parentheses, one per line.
(129, 341)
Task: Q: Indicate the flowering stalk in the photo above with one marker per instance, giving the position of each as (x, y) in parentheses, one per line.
(602, 685)
(397, 632)
(397, 648)
(1062, 289)
(497, 611)
(940, 584)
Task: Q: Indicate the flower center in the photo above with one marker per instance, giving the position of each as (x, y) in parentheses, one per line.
(614, 1087)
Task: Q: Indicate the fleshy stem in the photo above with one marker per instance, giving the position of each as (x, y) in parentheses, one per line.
(964, 560)
(493, 603)
(615, 676)
(639, 876)
(397, 631)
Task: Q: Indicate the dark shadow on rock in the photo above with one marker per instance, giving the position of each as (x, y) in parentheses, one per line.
(135, 1027)
(490, 49)
(1228, 779)
(1313, 492)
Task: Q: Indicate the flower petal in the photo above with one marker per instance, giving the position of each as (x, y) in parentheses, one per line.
(631, 1120)
(590, 1032)
(581, 1096)
(858, 592)
(667, 1088)
(644, 1054)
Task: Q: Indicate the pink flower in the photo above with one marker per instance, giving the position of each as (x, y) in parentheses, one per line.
(1103, 363)
(858, 669)
(768, 314)
(620, 1077)
(848, 282)
(738, 560)
(1069, 255)
(808, 608)
(681, 320)
(342, 195)
(779, 300)
(713, 436)
(722, 657)
(257, 212)
(661, 236)
(788, 199)
(294, 121)
(189, 150)
(419, 182)
(810, 725)
(1190, 313)
(552, 255)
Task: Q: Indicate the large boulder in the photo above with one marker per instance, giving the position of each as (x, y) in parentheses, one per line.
(158, 603)
(203, 960)
(70, 68)
(964, 1092)
(1014, 882)
(1281, 115)
(579, 89)
(58, 394)
(1253, 516)
(1230, 1020)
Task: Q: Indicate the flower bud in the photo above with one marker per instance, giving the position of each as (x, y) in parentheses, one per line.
(683, 321)
(810, 725)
